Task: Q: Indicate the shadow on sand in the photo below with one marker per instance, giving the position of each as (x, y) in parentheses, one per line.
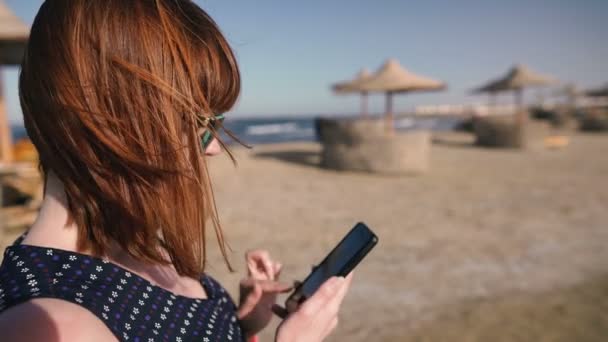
(305, 158)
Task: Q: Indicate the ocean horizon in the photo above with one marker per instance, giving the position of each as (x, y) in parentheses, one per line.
(278, 129)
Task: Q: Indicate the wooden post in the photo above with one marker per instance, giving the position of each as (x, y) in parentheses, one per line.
(519, 107)
(364, 107)
(6, 149)
(492, 103)
(492, 100)
(390, 119)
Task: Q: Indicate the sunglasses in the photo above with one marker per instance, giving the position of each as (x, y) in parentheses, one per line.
(211, 125)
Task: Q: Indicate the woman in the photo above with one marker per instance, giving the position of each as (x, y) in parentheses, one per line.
(123, 99)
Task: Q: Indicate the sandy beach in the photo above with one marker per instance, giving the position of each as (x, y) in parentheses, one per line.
(489, 245)
(482, 224)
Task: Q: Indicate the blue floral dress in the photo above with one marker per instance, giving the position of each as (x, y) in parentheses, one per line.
(130, 306)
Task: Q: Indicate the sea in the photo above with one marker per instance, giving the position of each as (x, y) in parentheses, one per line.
(278, 129)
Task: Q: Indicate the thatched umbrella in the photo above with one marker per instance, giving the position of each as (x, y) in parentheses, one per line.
(518, 78)
(349, 87)
(13, 36)
(392, 78)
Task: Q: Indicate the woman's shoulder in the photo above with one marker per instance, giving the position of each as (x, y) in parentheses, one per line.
(96, 295)
(32, 307)
(54, 320)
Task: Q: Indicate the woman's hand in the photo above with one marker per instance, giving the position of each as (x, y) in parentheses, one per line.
(258, 291)
(317, 317)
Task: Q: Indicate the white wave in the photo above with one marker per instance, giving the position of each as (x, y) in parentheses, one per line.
(289, 127)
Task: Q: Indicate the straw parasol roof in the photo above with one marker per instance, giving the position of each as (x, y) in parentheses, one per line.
(598, 92)
(349, 87)
(517, 78)
(352, 86)
(392, 78)
(13, 38)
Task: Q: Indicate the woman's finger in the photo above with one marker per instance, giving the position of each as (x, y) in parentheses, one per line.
(252, 259)
(330, 327)
(345, 287)
(268, 265)
(333, 305)
(267, 286)
(250, 301)
(277, 270)
(324, 295)
(276, 287)
(260, 264)
(317, 317)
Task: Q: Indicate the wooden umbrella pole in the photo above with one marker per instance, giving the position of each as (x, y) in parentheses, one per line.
(364, 108)
(389, 112)
(6, 150)
(492, 103)
(521, 114)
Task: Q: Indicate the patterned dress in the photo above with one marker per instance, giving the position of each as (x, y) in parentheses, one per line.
(130, 306)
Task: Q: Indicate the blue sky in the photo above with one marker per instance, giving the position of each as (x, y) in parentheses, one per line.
(291, 51)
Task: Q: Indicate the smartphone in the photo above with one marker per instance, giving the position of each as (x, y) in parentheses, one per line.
(339, 262)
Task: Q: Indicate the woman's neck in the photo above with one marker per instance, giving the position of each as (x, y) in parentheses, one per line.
(52, 227)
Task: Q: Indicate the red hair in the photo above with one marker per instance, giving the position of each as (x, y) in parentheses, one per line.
(113, 93)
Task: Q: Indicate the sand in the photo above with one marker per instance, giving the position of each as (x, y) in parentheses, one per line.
(481, 224)
(577, 313)
(482, 229)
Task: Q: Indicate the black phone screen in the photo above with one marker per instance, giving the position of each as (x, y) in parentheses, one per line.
(341, 260)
